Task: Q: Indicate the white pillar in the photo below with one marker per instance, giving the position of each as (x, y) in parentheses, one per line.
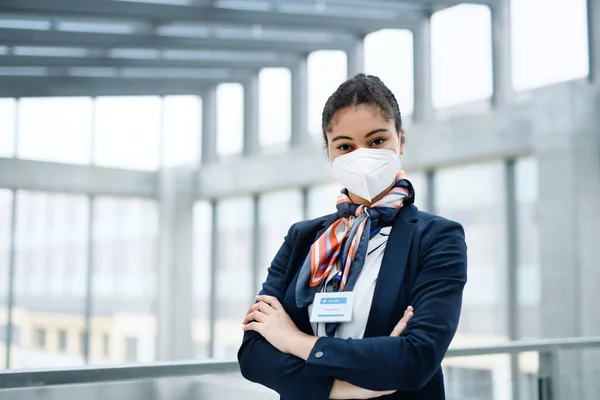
(356, 57)
(209, 125)
(299, 103)
(567, 148)
(423, 108)
(251, 116)
(501, 53)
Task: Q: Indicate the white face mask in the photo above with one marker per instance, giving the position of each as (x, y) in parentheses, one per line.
(367, 172)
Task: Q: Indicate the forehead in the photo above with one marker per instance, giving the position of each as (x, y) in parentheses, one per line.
(360, 118)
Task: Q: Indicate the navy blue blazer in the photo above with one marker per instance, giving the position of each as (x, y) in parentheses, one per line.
(424, 265)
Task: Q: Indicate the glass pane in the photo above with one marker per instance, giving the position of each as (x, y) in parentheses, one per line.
(5, 226)
(474, 196)
(124, 283)
(419, 182)
(8, 112)
(55, 129)
(127, 132)
(278, 211)
(234, 291)
(389, 55)
(327, 69)
(529, 282)
(275, 106)
(202, 261)
(230, 118)
(182, 129)
(461, 55)
(50, 278)
(322, 199)
(560, 30)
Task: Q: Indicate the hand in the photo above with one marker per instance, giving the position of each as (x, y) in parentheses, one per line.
(401, 325)
(345, 390)
(269, 318)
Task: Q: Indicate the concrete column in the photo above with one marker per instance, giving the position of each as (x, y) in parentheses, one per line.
(251, 116)
(422, 71)
(567, 147)
(175, 264)
(209, 126)
(356, 57)
(593, 12)
(299, 103)
(501, 53)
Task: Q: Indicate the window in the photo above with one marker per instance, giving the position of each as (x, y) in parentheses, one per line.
(474, 195)
(106, 345)
(5, 227)
(8, 112)
(182, 127)
(203, 215)
(131, 349)
(55, 129)
(389, 55)
(327, 69)
(528, 275)
(50, 271)
(82, 342)
(461, 55)
(419, 182)
(275, 106)
(124, 280)
(234, 270)
(62, 340)
(127, 132)
(535, 50)
(277, 211)
(230, 118)
(40, 338)
(322, 199)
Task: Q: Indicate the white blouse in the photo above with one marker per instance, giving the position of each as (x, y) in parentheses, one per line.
(363, 290)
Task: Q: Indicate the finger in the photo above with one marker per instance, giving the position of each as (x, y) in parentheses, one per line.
(272, 301)
(265, 308)
(252, 326)
(254, 316)
(399, 328)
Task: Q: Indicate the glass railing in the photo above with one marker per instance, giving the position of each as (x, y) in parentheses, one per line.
(556, 369)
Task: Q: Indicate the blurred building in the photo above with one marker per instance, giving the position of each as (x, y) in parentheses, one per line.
(154, 154)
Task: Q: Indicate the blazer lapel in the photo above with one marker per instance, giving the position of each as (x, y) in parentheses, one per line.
(391, 274)
(302, 248)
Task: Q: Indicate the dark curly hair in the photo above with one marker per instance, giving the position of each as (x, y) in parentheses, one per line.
(368, 90)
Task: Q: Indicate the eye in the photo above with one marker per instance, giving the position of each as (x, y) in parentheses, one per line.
(377, 142)
(344, 147)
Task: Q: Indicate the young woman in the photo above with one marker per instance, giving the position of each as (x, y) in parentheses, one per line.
(332, 319)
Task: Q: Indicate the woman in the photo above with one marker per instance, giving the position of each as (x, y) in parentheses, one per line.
(331, 321)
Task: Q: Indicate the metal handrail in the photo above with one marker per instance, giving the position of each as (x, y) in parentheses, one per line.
(52, 377)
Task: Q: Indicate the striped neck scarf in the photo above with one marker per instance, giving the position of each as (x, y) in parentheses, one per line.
(345, 243)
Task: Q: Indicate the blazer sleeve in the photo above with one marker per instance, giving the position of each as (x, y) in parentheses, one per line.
(408, 362)
(262, 363)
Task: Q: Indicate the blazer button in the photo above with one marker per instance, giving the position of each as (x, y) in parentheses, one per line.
(318, 354)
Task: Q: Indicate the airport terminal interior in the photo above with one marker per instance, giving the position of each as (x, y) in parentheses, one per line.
(154, 153)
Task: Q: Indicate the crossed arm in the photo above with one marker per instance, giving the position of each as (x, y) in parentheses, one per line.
(380, 364)
(269, 318)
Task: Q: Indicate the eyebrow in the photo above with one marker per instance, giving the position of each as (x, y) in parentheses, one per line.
(366, 136)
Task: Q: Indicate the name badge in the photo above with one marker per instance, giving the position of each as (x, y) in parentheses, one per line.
(332, 307)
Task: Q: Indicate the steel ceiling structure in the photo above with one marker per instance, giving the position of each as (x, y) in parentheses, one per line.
(98, 47)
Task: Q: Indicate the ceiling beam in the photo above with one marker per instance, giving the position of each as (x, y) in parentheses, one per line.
(108, 62)
(32, 37)
(75, 86)
(165, 13)
(65, 178)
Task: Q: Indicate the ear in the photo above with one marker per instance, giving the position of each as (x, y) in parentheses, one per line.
(402, 141)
